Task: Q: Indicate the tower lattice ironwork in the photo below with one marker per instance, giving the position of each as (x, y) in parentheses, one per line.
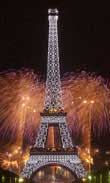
(53, 117)
(53, 94)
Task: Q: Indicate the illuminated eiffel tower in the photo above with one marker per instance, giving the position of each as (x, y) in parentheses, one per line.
(53, 144)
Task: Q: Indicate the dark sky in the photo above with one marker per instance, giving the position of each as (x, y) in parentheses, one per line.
(84, 36)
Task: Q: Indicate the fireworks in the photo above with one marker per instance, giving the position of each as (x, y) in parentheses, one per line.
(86, 98)
(86, 101)
(15, 159)
(21, 99)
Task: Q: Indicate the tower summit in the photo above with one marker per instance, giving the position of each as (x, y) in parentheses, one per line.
(53, 145)
(53, 12)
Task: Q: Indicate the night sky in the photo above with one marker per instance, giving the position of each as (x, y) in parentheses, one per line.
(84, 36)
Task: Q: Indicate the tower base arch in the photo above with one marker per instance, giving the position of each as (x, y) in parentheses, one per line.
(53, 173)
(71, 162)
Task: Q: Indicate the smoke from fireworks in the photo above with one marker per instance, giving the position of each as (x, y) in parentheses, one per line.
(22, 97)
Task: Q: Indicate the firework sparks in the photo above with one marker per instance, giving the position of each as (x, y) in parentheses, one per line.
(85, 98)
(15, 159)
(21, 97)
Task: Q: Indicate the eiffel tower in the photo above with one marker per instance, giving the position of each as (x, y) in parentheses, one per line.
(53, 144)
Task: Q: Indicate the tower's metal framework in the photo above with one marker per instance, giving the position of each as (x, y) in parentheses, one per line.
(53, 97)
(54, 115)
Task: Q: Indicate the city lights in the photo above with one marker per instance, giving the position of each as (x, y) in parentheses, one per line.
(89, 177)
(107, 152)
(96, 150)
(106, 163)
(85, 101)
(92, 101)
(21, 179)
(83, 179)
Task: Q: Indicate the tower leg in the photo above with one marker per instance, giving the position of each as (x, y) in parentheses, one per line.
(42, 135)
